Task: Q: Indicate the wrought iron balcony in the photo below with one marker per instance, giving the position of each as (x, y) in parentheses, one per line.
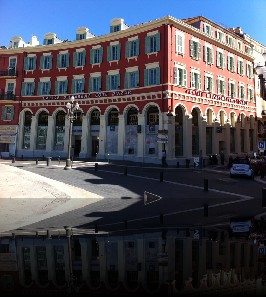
(9, 72)
(7, 96)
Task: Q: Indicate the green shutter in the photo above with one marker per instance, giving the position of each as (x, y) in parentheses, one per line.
(126, 86)
(137, 78)
(191, 48)
(118, 81)
(23, 89)
(12, 112)
(147, 44)
(39, 92)
(3, 112)
(56, 91)
(111, 29)
(67, 59)
(101, 54)
(137, 47)
(128, 44)
(51, 61)
(45, 42)
(158, 75)
(109, 53)
(75, 54)
(84, 57)
(34, 62)
(83, 84)
(118, 51)
(158, 42)
(146, 76)
(49, 87)
(107, 82)
(58, 61)
(90, 84)
(92, 55)
(26, 63)
(66, 85)
(73, 90)
(77, 37)
(185, 77)
(33, 88)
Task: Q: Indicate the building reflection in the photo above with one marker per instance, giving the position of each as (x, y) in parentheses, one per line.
(175, 261)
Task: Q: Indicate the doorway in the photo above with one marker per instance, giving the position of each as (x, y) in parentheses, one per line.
(77, 147)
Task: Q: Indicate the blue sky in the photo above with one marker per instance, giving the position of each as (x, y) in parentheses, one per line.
(25, 18)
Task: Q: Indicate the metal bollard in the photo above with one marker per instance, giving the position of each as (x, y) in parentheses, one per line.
(125, 171)
(161, 176)
(205, 184)
(37, 161)
(59, 160)
(43, 157)
(48, 161)
(177, 164)
(96, 167)
(13, 159)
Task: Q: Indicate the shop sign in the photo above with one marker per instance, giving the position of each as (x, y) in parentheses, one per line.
(7, 139)
(89, 95)
(210, 95)
(8, 129)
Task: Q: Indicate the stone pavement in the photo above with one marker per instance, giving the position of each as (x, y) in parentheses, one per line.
(26, 197)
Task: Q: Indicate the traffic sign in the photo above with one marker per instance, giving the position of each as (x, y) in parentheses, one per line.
(149, 198)
(262, 250)
(196, 162)
(261, 145)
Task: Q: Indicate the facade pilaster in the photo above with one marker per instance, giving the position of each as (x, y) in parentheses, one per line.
(121, 136)
(50, 134)
(188, 136)
(85, 143)
(141, 137)
(102, 137)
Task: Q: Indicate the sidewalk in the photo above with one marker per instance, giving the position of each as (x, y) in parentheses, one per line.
(20, 193)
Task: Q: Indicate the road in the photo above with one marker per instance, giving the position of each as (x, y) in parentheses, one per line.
(122, 187)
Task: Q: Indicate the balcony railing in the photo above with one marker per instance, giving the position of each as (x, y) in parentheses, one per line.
(9, 72)
(7, 96)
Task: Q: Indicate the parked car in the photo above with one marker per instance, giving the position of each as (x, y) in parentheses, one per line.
(241, 167)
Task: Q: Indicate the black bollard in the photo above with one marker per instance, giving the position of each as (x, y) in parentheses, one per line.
(22, 157)
(177, 164)
(37, 161)
(13, 159)
(59, 160)
(125, 171)
(161, 176)
(43, 157)
(96, 167)
(48, 161)
(205, 184)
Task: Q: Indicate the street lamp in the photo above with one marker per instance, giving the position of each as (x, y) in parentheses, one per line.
(261, 72)
(71, 109)
(68, 235)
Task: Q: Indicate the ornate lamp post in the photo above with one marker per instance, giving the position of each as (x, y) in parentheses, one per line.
(71, 109)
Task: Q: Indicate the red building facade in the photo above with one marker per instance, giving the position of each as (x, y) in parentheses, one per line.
(183, 86)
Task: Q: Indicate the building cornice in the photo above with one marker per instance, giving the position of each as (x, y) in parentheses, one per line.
(133, 30)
